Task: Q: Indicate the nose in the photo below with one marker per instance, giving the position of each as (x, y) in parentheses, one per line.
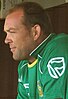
(7, 39)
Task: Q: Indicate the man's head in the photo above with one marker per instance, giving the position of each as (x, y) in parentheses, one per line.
(26, 26)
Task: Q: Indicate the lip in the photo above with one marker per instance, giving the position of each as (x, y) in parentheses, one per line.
(12, 49)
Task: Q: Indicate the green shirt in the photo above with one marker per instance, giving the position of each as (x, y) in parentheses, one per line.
(47, 76)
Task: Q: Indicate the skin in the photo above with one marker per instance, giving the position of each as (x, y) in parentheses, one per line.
(21, 40)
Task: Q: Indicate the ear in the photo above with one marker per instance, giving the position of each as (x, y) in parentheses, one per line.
(36, 31)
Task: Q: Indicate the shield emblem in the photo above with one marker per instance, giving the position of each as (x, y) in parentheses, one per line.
(56, 67)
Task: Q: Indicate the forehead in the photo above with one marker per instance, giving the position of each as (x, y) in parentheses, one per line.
(14, 19)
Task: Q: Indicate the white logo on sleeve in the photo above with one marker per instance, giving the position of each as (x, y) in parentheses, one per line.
(56, 67)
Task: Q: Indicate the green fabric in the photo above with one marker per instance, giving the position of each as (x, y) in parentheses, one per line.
(48, 79)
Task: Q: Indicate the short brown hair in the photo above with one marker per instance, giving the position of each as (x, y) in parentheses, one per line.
(34, 14)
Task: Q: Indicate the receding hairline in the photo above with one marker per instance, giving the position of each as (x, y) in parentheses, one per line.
(34, 10)
(26, 5)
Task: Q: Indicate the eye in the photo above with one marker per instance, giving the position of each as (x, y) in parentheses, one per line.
(11, 31)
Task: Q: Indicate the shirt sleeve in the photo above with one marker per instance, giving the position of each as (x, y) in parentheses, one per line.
(54, 67)
(22, 94)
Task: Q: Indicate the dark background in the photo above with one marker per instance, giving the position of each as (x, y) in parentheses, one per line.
(8, 67)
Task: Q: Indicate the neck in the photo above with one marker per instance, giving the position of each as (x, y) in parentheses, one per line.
(31, 59)
(39, 41)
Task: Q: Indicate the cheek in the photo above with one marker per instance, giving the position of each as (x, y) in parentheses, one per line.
(18, 40)
(23, 42)
(26, 44)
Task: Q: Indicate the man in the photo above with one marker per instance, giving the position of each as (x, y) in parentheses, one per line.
(42, 72)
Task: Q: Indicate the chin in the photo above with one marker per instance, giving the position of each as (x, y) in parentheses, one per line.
(15, 58)
(19, 57)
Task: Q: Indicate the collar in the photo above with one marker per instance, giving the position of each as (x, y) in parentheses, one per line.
(41, 46)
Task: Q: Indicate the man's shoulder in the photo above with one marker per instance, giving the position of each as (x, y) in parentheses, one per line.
(22, 64)
(56, 48)
(61, 37)
(58, 41)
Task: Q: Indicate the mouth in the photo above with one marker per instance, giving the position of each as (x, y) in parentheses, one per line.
(12, 49)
